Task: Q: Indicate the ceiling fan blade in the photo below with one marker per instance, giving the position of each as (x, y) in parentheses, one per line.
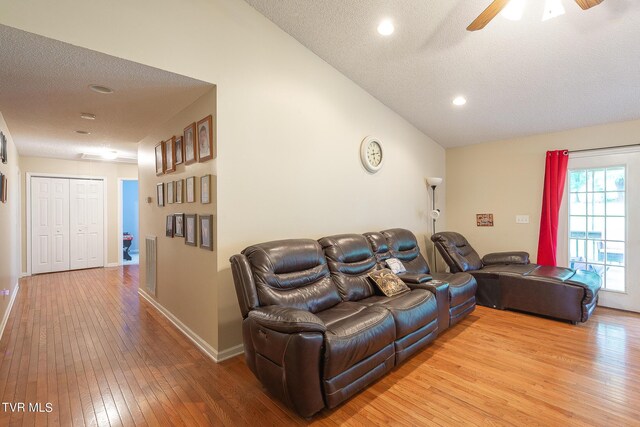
(489, 13)
(586, 4)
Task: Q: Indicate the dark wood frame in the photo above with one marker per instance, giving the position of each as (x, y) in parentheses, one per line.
(3, 188)
(175, 225)
(186, 185)
(170, 225)
(170, 200)
(160, 170)
(195, 229)
(208, 179)
(171, 145)
(192, 128)
(208, 120)
(484, 220)
(3, 147)
(202, 220)
(179, 150)
(179, 191)
(159, 192)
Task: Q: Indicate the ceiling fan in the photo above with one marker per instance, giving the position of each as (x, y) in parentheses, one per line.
(497, 5)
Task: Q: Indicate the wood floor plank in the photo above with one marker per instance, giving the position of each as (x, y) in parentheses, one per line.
(88, 345)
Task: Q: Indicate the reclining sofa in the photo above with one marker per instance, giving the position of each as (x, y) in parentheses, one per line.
(506, 280)
(316, 329)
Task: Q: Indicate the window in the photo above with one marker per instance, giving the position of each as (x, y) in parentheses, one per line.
(597, 223)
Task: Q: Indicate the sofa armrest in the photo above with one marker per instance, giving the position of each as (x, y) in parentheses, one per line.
(506, 258)
(415, 278)
(287, 320)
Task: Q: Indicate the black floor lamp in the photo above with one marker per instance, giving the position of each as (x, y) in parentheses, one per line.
(435, 213)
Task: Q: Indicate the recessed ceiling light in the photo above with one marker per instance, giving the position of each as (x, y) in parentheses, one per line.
(386, 27)
(552, 9)
(88, 116)
(110, 155)
(459, 100)
(514, 10)
(100, 89)
(83, 132)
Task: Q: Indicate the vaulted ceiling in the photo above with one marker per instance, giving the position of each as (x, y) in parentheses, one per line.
(519, 77)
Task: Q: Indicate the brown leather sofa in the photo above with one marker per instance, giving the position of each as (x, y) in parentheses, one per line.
(316, 331)
(506, 280)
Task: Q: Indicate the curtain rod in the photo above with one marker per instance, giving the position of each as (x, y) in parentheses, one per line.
(603, 148)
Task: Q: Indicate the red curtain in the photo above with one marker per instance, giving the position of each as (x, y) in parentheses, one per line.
(555, 175)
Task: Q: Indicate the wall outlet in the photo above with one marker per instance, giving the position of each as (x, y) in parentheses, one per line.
(522, 219)
(5, 292)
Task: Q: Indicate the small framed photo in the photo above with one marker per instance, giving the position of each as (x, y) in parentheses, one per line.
(191, 189)
(179, 156)
(3, 188)
(3, 147)
(179, 190)
(179, 225)
(160, 165)
(206, 232)
(170, 225)
(170, 192)
(205, 189)
(484, 220)
(170, 155)
(189, 144)
(160, 194)
(190, 229)
(205, 139)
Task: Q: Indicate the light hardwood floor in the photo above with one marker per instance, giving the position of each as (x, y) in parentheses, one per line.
(86, 343)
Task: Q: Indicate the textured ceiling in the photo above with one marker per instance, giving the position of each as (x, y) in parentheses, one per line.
(44, 88)
(520, 78)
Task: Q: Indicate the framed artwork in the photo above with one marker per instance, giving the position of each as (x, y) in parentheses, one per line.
(3, 147)
(170, 155)
(191, 189)
(206, 232)
(3, 188)
(179, 225)
(189, 144)
(170, 224)
(170, 192)
(205, 139)
(179, 157)
(160, 194)
(160, 165)
(484, 220)
(190, 229)
(179, 191)
(205, 189)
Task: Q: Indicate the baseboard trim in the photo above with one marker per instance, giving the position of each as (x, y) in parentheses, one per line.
(24, 274)
(5, 319)
(112, 264)
(206, 348)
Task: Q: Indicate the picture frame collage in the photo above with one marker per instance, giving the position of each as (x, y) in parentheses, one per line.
(195, 145)
(193, 227)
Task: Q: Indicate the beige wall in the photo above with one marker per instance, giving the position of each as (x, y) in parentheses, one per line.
(289, 126)
(506, 178)
(112, 171)
(186, 284)
(9, 213)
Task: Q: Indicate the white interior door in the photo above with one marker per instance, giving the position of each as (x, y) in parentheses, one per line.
(49, 225)
(86, 224)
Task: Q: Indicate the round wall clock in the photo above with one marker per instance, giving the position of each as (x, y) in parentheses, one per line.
(371, 154)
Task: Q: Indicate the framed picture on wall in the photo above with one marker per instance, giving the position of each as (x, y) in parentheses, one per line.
(206, 232)
(160, 159)
(160, 194)
(179, 225)
(189, 144)
(3, 188)
(170, 224)
(3, 147)
(205, 139)
(170, 155)
(170, 194)
(191, 189)
(179, 190)
(190, 229)
(205, 189)
(179, 156)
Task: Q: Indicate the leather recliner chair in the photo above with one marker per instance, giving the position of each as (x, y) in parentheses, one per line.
(506, 280)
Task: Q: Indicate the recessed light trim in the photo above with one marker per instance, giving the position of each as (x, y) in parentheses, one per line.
(83, 132)
(459, 101)
(386, 28)
(87, 116)
(100, 89)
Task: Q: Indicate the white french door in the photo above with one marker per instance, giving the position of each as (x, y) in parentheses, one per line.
(50, 225)
(602, 229)
(86, 223)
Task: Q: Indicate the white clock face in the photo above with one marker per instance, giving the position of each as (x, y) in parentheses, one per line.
(371, 154)
(374, 153)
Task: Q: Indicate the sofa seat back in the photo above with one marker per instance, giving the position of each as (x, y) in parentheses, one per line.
(456, 251)
(404, 246)
(292, 273)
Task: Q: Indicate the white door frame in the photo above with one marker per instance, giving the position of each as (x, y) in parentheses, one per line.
(120, 219)
(29, 175)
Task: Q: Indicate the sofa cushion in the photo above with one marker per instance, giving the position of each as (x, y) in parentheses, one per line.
(379, 245)
(292, 273)
(462, 286)
(388, 283)
(456, 251)
(404, 246)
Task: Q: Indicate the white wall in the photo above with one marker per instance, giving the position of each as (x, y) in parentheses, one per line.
(289, 125)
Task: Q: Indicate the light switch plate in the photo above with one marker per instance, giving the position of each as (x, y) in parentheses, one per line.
(522, 219)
